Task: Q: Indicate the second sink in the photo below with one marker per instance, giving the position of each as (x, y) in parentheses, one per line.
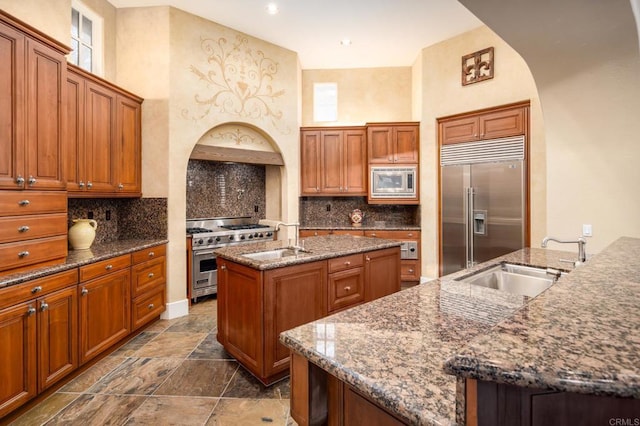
(274, 254)
(517, 279)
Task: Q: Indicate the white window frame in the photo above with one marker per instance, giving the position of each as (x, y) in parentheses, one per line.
(97, 36)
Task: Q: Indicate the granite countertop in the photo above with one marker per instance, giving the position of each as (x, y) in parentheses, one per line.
(387, 227)
(77, 258)
(316, 248)
(393, 349)
(580, 336)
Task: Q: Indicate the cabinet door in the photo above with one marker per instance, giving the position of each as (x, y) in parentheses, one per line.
(310, 163)
(355, 162)
(459, 130)
(18, 355)
(380, 150)
(240, 313)
(331, 163)
(128, 145)
(57, 336)
(105, 315)
(293, 296)
(382, 273)
(405, 140)
(100, 111)
(12, 74)
(46, 80)
(74, 126)
(500, 124)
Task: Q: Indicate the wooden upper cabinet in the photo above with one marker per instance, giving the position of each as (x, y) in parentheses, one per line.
(333, 161)
(389, 143)
(103, 148)
(498, 123)
(32, 78)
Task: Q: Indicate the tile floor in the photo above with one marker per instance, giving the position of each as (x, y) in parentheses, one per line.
(173, 373)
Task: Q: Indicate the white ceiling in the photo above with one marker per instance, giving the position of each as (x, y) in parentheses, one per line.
(384, 33)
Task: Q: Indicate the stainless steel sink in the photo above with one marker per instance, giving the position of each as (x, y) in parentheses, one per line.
(275, 254)
(516, 279)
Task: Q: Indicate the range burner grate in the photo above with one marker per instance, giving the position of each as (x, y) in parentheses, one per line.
(197, 230)
(243, 227)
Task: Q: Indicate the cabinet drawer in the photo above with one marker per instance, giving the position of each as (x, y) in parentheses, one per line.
(345, 262)
(346, 288)
(23, 253)
(147, 307)
(35, 288)
(147, 275)
(16, 203)
(29, 227)
(394, 235)
(410, 270)
(104, 267)
(148, 254)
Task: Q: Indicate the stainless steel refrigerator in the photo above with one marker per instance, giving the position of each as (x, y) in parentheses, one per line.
(483, 201)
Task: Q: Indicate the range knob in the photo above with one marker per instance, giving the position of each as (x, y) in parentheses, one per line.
(217, 239)
(200, 241)
(269, 234)
(260, 235)
(210, 240)
(255, 235)
(242, 237)
(231, 238)
(250, 236)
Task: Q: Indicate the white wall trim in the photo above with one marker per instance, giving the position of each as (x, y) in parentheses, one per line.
(176, 309)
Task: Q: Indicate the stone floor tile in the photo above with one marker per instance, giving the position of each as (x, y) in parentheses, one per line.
(199, 378)
(100, 410)
(93, 374)
(244, 385)
(173, 410)
(250, 412)
(46, 409)
(210, 349)
(194, 324)
(136, 376)
(171, 345)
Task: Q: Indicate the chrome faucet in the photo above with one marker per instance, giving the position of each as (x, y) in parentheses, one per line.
(296, 245)
(582, 253)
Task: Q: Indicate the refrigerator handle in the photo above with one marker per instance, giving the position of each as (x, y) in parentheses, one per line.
(469, 222)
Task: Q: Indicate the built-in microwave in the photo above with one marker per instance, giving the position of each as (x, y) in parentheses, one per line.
(389, 182)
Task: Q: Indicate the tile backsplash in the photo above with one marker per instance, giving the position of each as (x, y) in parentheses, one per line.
(334, 211)
(122, 219)
(216, 189)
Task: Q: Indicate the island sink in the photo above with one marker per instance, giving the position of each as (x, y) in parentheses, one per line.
(517, 279)
(275, 254)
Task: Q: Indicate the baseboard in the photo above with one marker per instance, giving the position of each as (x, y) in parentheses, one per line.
(176, 309)
(426, 279)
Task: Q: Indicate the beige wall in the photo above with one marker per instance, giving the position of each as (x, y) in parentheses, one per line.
(364, 94)
(442, 94)
(586, 63)
(53, 17)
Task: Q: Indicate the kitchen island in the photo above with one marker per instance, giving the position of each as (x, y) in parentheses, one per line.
(388, 356)
(259, 298)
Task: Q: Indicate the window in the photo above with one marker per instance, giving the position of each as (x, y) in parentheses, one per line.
(86, 38)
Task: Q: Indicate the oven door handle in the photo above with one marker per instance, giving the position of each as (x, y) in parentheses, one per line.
(203, 253)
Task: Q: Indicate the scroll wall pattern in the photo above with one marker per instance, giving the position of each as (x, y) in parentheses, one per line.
(239, 80)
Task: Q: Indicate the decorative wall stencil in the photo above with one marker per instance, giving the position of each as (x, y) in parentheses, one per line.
(477, 66)
(239, 80)
(237, 137)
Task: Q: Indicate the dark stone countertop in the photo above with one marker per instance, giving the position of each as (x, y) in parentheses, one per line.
(392, 350)
(316, 248)
(77, 258)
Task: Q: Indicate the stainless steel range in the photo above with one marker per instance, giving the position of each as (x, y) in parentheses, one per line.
(212, 233)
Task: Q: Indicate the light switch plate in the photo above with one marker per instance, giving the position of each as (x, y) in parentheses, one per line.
(587, 230)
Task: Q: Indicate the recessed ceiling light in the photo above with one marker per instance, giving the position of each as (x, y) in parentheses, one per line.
(345, 42)
(272, 8)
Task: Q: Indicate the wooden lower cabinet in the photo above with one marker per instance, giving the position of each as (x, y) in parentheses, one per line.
(105, 315)
(255, 306)
(38, 337)
(318, 397)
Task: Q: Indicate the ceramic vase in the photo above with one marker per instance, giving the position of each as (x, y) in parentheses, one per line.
(82, 233)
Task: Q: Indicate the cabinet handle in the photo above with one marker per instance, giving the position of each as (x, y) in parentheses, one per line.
(81, 184)
(19, 180)
(31, 310)
(317, 189)
(108, 267)
(347, 289)
(347, 263)
(120, 186)
(367, 258)
(23, 228)
(24, 203)
(44, 306)
(37, 289)
(84, 291)
(223, 267)
(32, 181)
(373, 234)
(23, 254)
(151, 254)
(411, 271)
(151, 275)
(315, 234)
(89, 185)
(151, 306)
(410, 234)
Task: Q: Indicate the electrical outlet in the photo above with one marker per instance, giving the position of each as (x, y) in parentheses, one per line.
(107, 215)
(89, 214)
(256, 209)
(328, 207)
(587, 230)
